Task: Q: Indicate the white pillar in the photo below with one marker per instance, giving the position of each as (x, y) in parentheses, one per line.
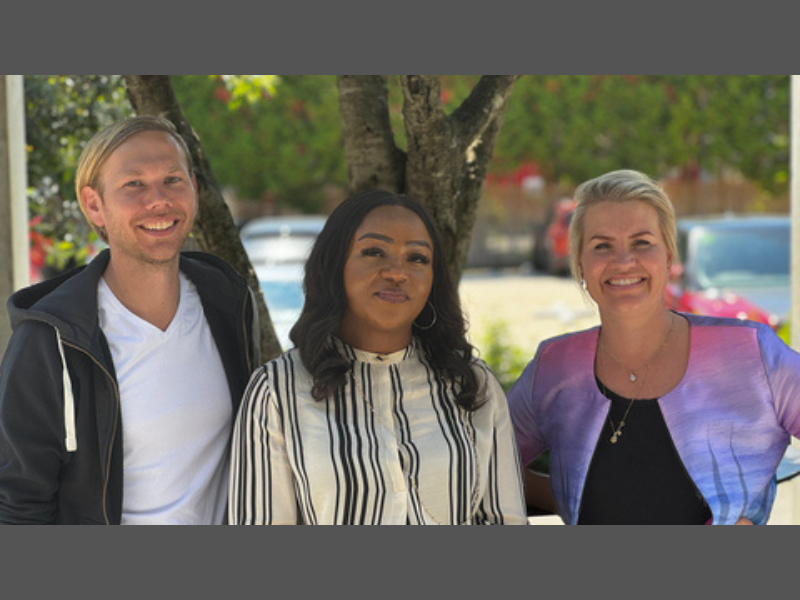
(789, 492)
(794, 171)
(14, 252)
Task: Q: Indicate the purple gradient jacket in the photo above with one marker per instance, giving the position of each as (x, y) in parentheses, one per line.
(730, 417)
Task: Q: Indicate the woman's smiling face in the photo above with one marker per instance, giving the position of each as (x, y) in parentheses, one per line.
(624, 259)
(388, 277)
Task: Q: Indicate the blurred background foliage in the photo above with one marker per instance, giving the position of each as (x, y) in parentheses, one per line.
(578, 126)
(281, 147)
(506, 360)
(62, 112)
(275, 141)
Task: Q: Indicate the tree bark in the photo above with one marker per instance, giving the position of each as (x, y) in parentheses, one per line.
(214, 229)
(447, 158)
(373, 160)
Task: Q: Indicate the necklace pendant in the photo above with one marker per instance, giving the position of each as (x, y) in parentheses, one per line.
(632, 376)
(614, 439)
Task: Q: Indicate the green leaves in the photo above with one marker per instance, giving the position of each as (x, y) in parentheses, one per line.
(578, 126)
(505, 360)
(269, 139)
(61, 113)
(248, 89)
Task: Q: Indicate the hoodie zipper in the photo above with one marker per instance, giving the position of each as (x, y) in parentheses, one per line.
(114, 431)
(247, 344)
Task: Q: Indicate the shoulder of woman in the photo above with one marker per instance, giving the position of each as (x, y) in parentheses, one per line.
(286, 365)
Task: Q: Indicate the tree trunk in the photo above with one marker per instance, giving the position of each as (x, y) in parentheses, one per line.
(214, 230)
(447, 157)
(373, 160)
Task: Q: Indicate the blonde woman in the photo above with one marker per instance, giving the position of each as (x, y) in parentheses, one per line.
(654, 416)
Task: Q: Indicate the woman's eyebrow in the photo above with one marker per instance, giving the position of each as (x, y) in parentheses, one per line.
(388, 240)
(376, 236)
(601, 236)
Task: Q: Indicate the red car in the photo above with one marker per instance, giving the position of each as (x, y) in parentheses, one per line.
(733, 266)
(551, 240)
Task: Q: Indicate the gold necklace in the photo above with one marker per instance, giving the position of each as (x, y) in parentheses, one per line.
(475, 500)
(631, 373)
(616, 431)
(616, 434)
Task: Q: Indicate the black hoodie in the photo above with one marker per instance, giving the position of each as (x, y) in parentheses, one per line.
(60, 430)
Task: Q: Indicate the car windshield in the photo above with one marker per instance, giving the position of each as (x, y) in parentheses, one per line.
(283, 295)
(277, 249)
(744, 257)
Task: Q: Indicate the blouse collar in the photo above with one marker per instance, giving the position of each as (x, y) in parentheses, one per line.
(392, 358)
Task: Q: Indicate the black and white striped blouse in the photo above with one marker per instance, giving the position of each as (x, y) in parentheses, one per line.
(391, 447)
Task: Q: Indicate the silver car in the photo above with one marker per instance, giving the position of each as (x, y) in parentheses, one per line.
(278, 248)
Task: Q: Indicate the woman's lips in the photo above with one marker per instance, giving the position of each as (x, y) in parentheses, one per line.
(625, 281)
(392, 295)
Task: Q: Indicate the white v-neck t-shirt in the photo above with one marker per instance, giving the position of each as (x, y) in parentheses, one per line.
(176, 413)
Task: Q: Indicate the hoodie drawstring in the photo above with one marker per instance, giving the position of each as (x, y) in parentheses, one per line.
(69, 401)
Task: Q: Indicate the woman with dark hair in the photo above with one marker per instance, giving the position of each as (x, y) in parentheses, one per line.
(381, 414)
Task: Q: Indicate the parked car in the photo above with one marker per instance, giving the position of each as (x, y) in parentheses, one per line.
(280, 239)
(551, 238)
(733, 266)
(278, 248)
(282, 286)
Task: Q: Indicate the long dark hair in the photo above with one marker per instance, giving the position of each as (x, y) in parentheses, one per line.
(445, 344)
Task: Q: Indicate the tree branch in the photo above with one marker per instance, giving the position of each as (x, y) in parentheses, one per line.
(448, 157)
(486, 101)
(431, 158)
(373, 159)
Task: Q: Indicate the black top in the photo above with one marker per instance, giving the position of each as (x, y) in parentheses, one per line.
(641, 479)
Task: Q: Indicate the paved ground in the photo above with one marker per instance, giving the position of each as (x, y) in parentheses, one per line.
(534, 307)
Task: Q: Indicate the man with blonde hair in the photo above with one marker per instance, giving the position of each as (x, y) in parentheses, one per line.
(120, 382)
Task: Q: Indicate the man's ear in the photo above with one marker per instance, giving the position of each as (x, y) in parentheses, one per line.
(92, 205)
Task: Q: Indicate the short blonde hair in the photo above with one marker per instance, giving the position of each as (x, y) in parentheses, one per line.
(100, 147)
(620, 186)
